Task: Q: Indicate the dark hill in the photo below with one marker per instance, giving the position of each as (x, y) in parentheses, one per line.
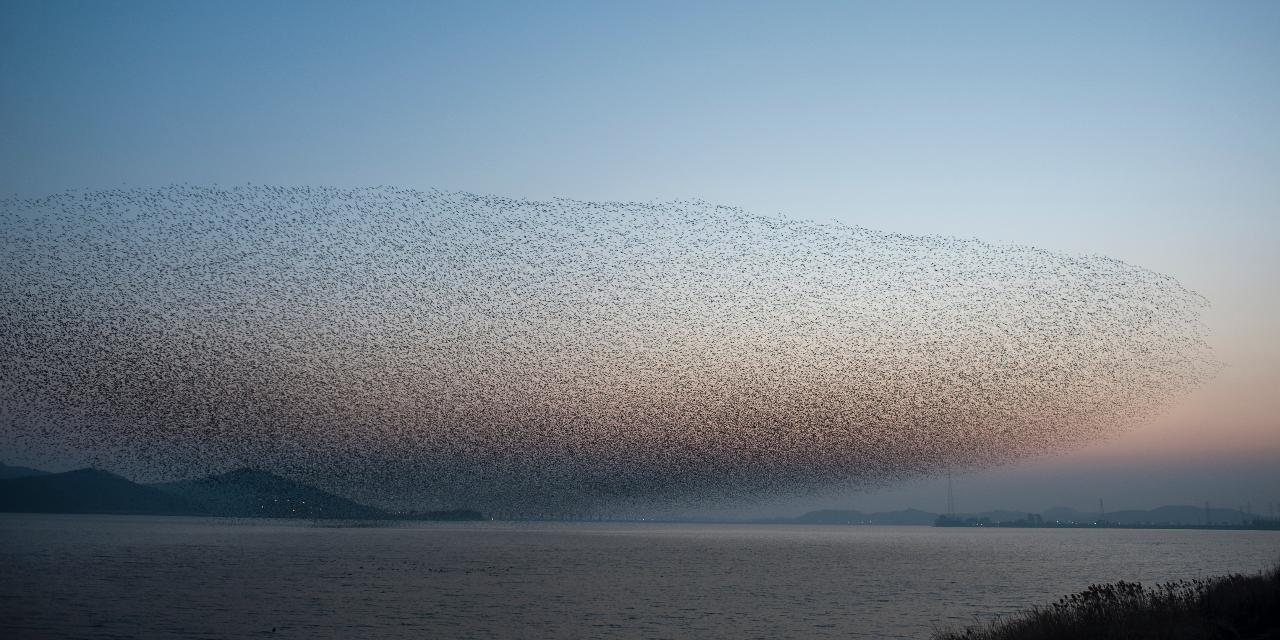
(833, 516)
(88, 491)
(1166, 515)
(842, 516)
(7, 472)
(904, 517)
(1178, 514)
(249, 493)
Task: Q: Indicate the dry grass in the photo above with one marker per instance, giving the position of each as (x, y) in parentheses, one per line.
(1234, 606)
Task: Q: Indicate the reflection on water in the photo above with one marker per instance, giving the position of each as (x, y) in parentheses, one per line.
(113, 576)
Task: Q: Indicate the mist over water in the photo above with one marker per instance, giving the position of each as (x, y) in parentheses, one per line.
(453, 349)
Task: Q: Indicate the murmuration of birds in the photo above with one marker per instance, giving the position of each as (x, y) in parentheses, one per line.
(442, 349)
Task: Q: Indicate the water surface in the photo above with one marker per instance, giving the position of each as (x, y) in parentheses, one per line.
(129, 576)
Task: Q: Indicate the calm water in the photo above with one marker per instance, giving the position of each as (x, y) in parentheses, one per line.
(113, 577)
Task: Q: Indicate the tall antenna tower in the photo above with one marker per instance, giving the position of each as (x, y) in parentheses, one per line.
(1102, 511)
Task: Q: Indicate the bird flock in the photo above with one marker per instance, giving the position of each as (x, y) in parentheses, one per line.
(444, 349)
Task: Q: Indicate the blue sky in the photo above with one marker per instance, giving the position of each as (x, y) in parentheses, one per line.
(1145, 131)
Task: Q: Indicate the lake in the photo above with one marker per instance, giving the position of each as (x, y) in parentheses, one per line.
(82, 576)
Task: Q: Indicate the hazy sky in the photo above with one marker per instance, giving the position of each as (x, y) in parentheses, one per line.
(1149, 132)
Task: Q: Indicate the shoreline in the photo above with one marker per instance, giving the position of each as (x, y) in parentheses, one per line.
(1231, 606)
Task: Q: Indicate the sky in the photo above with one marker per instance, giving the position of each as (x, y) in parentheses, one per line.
(1148, 132)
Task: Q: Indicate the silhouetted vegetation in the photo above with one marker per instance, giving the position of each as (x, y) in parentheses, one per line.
(1234, 606)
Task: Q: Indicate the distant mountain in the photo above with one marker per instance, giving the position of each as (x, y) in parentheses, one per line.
(88, 491)
(903, 517)
(832, 516)
(7, 472)
(1179, 514)
(244, 493)
(249, 493)
(1166, 515)
(842, 516)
